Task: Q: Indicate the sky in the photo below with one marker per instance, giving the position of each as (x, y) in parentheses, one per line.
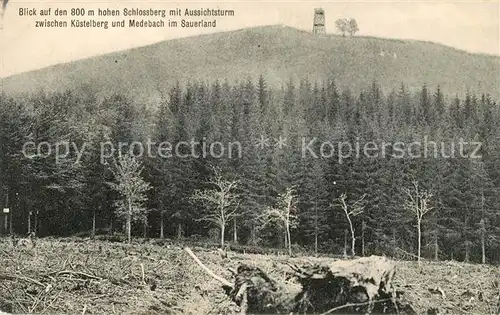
(468, 25)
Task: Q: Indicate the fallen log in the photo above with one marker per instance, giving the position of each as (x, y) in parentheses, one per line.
(359, 286)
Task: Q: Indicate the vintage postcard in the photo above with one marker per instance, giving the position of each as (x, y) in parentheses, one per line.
(251, 157)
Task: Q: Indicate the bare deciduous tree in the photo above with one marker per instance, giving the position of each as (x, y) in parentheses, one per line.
(352, 210)
(221, 201)
(132, 188)
(418, 203)
(284, 215)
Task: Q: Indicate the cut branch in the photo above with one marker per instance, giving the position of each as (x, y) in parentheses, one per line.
(207, 270)
(352, 305)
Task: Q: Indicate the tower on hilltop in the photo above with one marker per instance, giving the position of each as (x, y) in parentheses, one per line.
(319, 21)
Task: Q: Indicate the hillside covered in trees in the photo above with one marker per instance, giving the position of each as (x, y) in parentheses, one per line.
(65, 197)
(278, 52)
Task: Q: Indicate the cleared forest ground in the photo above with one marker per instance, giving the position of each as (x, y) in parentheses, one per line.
(96, 277)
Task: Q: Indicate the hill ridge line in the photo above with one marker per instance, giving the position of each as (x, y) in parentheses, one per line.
(259, 27)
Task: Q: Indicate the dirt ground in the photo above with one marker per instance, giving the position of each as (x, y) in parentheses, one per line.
(96, 277)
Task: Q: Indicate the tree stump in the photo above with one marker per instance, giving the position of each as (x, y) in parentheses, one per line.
(360, 286)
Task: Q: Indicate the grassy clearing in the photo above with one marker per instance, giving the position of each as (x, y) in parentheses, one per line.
(94, 277)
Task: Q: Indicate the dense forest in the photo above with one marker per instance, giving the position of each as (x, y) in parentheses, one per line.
(73, 192)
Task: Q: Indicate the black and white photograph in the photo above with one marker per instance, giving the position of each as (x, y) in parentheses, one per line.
(249, 157)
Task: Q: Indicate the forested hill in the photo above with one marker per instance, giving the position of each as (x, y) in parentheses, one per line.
(277, 52)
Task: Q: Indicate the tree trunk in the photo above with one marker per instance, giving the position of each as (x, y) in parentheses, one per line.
(419, 236)
(29, 222)
(345, 243)
(222, 232)
(466, 243)
(483, 249)
(363, 227)
(253, 236)
(39, 225)
(436, 246)
(129, 222)
(316, 241)
(6, 223)
(353, 243)
(316, 228)
(394, 242)
(483, 230)
(6, 215)
(289, 240)
(145, 230)
(93, 224)
(162, 235)
(10, 222)
(353, 239)
(235, 231)
(35, 228)
(285, 240)
(467, 251)
(179, 231)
